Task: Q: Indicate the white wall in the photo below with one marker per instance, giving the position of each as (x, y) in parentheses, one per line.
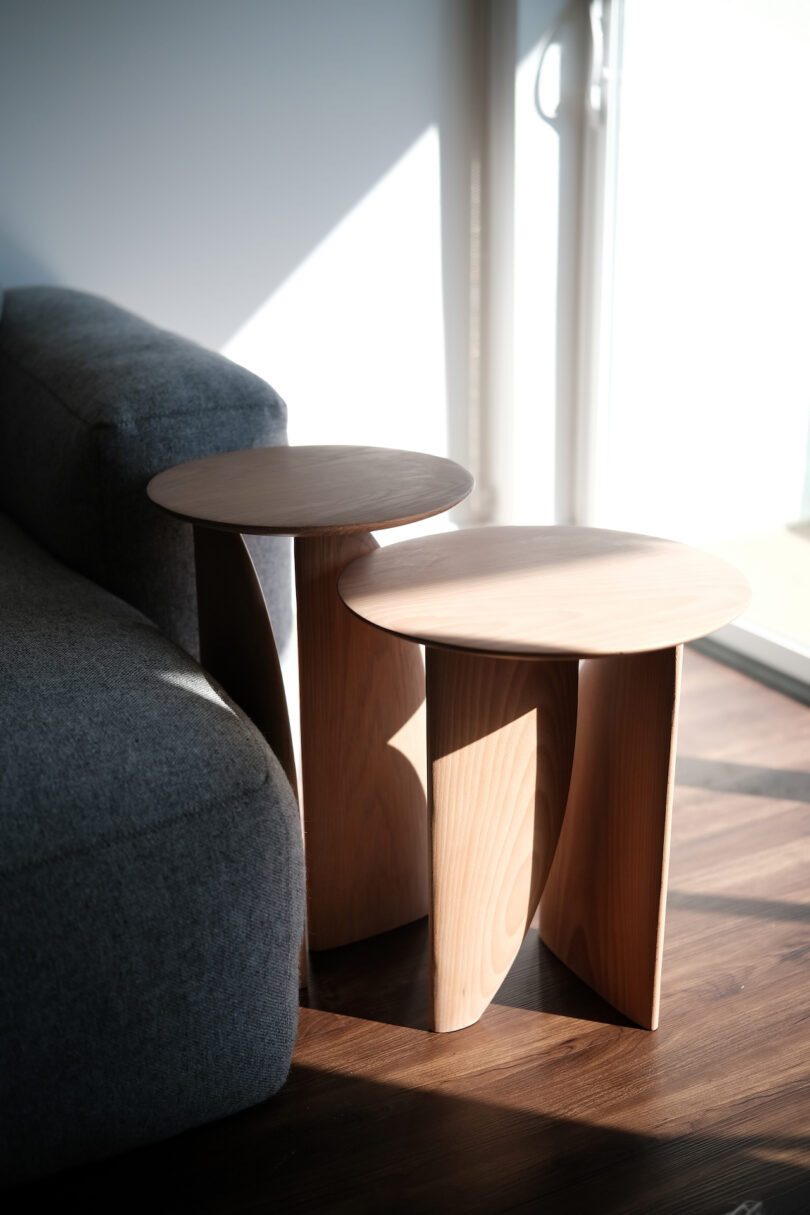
(216, 167)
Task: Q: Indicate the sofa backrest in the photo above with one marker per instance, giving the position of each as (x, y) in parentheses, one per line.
(93, 402)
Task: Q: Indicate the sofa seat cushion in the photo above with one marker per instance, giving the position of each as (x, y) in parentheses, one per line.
(151, 880)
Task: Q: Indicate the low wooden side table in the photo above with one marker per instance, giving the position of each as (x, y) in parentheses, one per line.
(548, 782)
(362, 693)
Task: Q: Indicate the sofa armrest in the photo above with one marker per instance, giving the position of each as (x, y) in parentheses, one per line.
(93, 402)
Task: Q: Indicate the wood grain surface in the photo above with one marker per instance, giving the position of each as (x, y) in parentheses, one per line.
(500, 746)
(310, 490)
(551, 1102)
(237, 645)
(602, 910)
(362, 757)
(545, 591)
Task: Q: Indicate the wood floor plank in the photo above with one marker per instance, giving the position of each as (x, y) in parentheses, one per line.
(553, 1102)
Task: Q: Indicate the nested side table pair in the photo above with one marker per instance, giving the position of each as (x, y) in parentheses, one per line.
(552, 672)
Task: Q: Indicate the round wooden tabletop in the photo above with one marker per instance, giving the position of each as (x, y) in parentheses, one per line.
(544, 592)
(299, 491)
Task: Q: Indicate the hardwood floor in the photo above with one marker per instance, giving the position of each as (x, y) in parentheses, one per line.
(553, 1103)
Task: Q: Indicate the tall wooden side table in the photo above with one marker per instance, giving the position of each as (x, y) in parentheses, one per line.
(361, 692)
(549, 778)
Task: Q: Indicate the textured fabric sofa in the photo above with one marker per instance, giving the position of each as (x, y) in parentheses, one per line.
(151, 879)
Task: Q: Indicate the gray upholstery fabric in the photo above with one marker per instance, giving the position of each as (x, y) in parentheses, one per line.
(93, 403)
(151, 880)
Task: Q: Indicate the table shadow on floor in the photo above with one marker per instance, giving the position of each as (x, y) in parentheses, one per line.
(385, 979)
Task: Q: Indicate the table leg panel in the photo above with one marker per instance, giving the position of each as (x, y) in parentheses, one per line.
(500, 747)
(237, 645)
(362, 757)
(602, 910)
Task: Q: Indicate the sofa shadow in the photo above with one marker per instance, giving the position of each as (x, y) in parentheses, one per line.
(335, 1143)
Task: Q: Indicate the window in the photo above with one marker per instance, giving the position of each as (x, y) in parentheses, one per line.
(661, 354)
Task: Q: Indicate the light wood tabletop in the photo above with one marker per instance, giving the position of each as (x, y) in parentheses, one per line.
(311, 490)
(569, 592)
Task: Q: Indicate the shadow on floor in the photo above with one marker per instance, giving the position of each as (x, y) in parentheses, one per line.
(539, 982)
(332, 1143)
(731, 905)
(784, 783)
(385, 979)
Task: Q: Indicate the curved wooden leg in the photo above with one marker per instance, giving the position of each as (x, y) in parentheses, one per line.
(237, 645)
(362, 757)
(500, 746)
(602, 911)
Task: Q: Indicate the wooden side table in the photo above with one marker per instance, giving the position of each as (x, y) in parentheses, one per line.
(548, 782)
(362, 693)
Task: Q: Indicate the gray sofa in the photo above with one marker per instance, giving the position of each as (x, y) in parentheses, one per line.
(151, 879)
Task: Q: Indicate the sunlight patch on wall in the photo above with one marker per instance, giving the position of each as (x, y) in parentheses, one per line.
(353, 340)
